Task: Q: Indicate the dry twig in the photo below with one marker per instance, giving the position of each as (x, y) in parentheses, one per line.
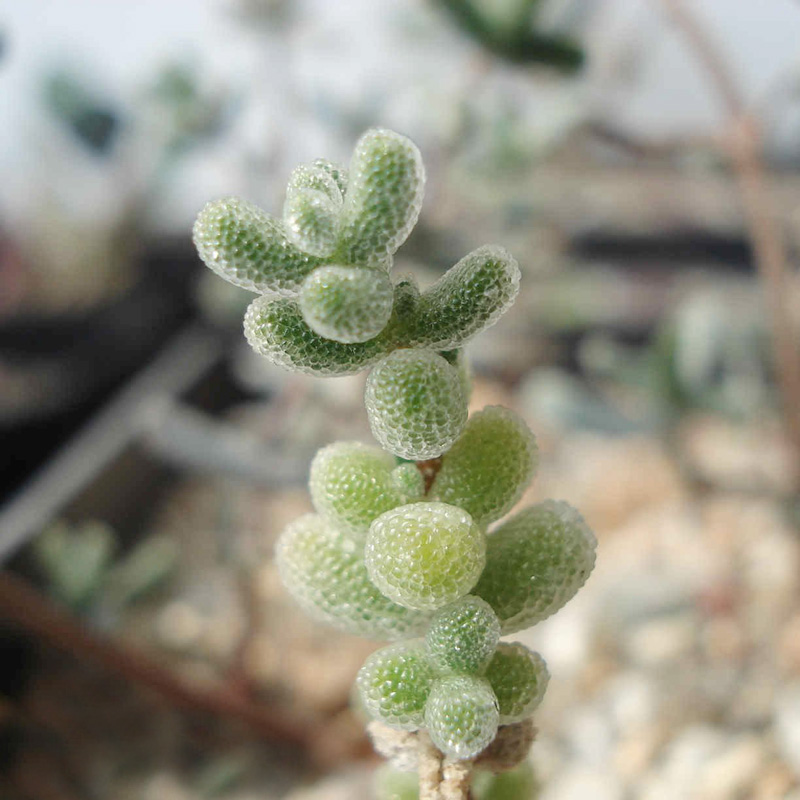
(21, 604)
(743, 143)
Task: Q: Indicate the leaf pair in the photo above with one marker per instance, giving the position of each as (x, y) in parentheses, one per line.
(484, 473)
(466, 300)
(334, 247)
(534, 564)
(326, 574)
(351, 484)
(526, 569)
(402, 687)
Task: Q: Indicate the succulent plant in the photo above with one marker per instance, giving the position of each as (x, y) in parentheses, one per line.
(398, 548)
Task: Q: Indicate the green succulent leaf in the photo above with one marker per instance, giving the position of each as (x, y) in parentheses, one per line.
(424, 555)
(415, 403)
(486, 471)
(519, 680)
(463, 636)
(352, 484)
(337, 172)
(347, 304)
(535, 563)
(75, 560)
(311, 222)
(384, 197)
(321, 176)
(275, 328)
(515, 784)
(249, 248)
(326, 574)
(461, 715)
(409, 481)
(470, 297)
(394, 684)
(146, 568)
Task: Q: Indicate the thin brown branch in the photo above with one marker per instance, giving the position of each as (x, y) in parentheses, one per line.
(743, 144)
(769, 247)
(667, 148)
(22, 605)
(707, 53)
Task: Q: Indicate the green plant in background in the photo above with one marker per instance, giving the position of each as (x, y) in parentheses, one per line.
(399, 547)
(507, 30)
(80, 566)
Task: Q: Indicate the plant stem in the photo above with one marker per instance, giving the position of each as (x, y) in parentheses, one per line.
(22, 605)
(440, 778)
(743, 144)
(429, 469)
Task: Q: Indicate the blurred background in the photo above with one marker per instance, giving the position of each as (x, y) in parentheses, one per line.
(640, 158)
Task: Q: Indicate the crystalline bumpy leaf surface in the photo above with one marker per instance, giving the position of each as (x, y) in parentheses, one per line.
(415, 403)
(519, 679)
(386, 184)
(467, 299)
(462, 637)
(461, 715)
(352, 484)
(326, 575)
(488, 468)
(394, 684)
(276, 329)
(347, 304)
(535, 563)
(425, 555)
(321, 176)
(248, 248)
(311, 222)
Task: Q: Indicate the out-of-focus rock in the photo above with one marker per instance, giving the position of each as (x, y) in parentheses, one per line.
(787, 725)
(750, 458)
(609, 479)
(581, 783)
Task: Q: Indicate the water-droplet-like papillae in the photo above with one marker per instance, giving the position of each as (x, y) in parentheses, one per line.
(416, 405)
(470, 297)
(409, 481)
(399, 550)
(247, 247)
(486, 471)
(425, 555)
(463, 636)
(386, 184)
(461, 715)
(535, 563)
(326, 575)
(519, 679)
(311, 221)
(394, 684)
(352, 484)
(321, 176)
(276, 329)
(336, 171)
(347, 304)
